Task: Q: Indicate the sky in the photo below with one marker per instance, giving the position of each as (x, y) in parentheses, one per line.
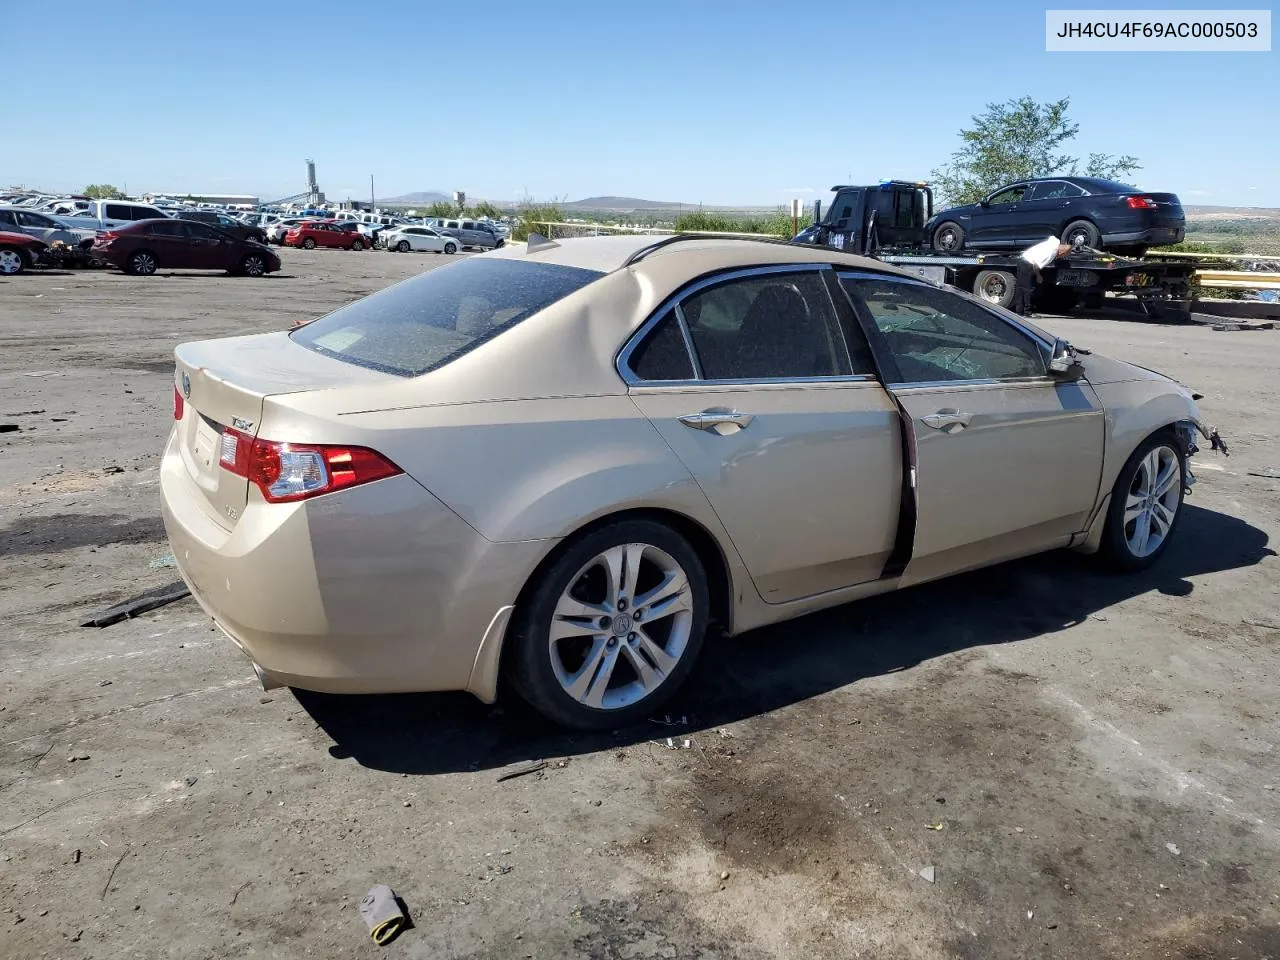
(699, 101)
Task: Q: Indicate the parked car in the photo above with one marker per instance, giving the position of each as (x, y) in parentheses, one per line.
(106, 214)
(18, 251)
(318, 233)
(276, 232)
(1087, 211)
(42, 226)
(227, 224)
(405, 239)
(144, 247)
(562, 463)
(472, 233)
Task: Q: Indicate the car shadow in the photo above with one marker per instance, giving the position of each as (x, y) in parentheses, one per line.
(775, 666)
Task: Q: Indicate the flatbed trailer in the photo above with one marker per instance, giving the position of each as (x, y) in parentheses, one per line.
(887, 221)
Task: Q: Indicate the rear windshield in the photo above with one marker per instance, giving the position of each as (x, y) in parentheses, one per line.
(427, 321)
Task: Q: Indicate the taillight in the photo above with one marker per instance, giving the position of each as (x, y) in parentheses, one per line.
(293, 471)
(106, 237)
(178, 403)
(1140, 203)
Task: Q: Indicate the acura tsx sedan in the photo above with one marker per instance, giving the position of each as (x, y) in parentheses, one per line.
(561, 463)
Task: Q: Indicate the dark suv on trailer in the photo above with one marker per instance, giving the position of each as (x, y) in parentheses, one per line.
(1089, 211)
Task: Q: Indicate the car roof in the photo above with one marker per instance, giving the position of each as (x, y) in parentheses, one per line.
(692, 256)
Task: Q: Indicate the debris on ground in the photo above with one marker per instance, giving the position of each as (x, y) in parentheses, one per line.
(9, 428)
(142, 603)
(523, 771)
(168, 560)
(384, 913)
(1267, 624)
(927, 874)
(935, 826)
(1172, 848)
(1270, 473)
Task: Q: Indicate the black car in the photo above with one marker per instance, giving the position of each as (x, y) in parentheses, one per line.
(237, 228)
(1089, 211)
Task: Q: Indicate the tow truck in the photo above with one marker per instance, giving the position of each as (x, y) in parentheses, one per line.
(887, 221)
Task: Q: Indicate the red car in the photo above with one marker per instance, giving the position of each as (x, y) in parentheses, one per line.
(323, 233)
(144, 246)
(18, 251)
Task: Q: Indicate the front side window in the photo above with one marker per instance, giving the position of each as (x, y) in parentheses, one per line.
(8, 218)
(1008, 195)
(936, 336)
(425, 322)
(35, 220)
(768, 326)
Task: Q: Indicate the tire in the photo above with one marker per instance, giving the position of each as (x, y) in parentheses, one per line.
(450, 248)
(994, 286)
(259, 238)
(403, 246)
(12, 261)
(1143, 474)
(357, 245)
(141, 263)
(253, 265)
(607, 671)
(308, 244)
(948, 237)
(1081, 233)
(499, 243)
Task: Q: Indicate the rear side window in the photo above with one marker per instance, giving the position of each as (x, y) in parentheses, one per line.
(425, 322)
(662, 354)
(7, 218)
(116, 211)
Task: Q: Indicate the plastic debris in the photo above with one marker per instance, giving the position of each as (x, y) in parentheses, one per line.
(1172, 848)
(168, 560)
(143, 602)
(927, 874)
(934, 826)
(384, 914)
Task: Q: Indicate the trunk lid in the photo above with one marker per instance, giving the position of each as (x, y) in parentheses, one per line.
(223, 384)
(1168, 208)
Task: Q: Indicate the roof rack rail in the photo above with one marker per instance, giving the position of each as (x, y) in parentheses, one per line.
(676, 238)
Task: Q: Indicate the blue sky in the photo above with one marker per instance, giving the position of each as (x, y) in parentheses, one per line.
(720, 103)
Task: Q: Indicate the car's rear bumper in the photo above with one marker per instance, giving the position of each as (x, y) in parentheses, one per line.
(1151, 236)
(379, 588)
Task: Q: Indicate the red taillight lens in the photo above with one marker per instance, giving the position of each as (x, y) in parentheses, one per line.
(178, 404)
(285, 472)
(1140, 203)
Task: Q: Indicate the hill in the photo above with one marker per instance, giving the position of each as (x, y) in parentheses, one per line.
(423, 196)
(1206, 212)
(621, 204)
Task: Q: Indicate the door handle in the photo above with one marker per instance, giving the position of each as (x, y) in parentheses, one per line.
(948, 421)
(710, 419)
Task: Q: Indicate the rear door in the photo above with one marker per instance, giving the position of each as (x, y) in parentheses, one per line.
(37, 225)
(1007, 459)
(1050, 206)
(748, 378)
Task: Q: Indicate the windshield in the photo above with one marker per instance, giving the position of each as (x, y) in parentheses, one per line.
(423, 323)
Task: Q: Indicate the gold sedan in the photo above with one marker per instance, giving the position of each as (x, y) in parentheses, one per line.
(565, 461)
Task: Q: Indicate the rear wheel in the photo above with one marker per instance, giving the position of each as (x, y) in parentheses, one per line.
(611, 628)
(308, 244)
(403, 246)
(994, 286)
(141, 263)
(12, 261)
(1081, 233)
(1146, 503)
(948, 238)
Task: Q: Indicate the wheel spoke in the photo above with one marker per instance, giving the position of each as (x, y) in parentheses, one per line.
(577, 684)
(649, 678)
(662, 661)
(1150, 469)
(669, 597)
(1141, 533)
(594, 693)
(622, 565)
(1167, 477)
(571, 608)
(1162, 516)
(563, 628)
(1133, 505)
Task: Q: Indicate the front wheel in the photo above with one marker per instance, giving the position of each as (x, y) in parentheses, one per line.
(1146, 503)
(948, 238)
(995, 286)
(12, 261)
(611, 628)
(253, 265)
(450, 248)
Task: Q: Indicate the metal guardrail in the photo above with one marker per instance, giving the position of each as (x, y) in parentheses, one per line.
(1238, 279)
(599, 229)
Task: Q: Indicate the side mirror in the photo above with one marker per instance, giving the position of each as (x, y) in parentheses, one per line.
(1064, 364)
(984, 203)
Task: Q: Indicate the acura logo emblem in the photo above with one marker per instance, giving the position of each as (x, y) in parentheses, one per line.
(186, 385)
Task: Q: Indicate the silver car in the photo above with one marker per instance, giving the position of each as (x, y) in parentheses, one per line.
(472, 233)
(41, 226)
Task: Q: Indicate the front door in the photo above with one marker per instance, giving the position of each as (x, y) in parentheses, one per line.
(205, 249)
(1007, 459)
(794, 443)
(998, 223)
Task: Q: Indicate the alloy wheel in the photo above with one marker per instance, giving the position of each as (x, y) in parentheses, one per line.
(144, 264)
(10, 262)
(254, 266)
(1152, 502)
(621, 627)
(947, 239)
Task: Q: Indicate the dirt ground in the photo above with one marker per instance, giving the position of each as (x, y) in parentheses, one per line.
(1086, 762)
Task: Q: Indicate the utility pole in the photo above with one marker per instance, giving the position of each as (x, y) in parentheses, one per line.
(372, 201)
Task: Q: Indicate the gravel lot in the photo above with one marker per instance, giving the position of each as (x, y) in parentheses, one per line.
(1087, 762)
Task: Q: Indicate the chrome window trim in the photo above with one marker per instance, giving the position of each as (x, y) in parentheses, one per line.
(762, 382)
(621, 362)
(917, 282)
(948, 384)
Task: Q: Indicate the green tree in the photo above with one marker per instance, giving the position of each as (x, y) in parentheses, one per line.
(1016, 140)
(102, 191)
(484, 209)
(441, 208)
